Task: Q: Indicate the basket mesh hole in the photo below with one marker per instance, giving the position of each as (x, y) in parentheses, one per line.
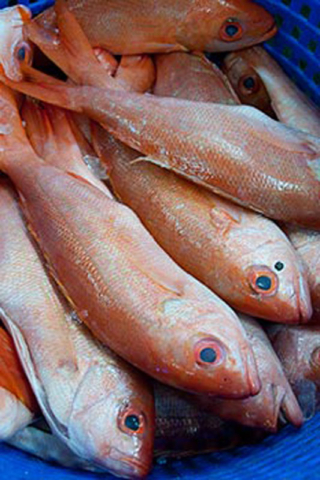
(312, 45)
(305, 11)
(286, 2)
(303, 64)
(11, 3)
(316, 78)
(296, 32)
(278, 19)
(287, 52)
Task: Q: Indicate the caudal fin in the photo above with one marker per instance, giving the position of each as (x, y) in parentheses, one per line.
(38, 128)
(69, 48)
(46, 88)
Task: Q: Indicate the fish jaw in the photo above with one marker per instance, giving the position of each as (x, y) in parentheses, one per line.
(14, 415)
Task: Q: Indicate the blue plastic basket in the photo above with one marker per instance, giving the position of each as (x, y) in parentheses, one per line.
(291, 453)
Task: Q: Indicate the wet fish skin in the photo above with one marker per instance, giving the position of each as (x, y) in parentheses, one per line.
(14, 47)
(193, 77)
(272, 88)
(60, 356)
(87, 249)
(204, 233)
(179, 26)
(170, 132)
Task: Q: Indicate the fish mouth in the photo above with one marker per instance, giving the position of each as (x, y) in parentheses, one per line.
(269, 33)
(253, 379)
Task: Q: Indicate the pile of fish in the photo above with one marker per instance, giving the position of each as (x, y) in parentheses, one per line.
(160, 233)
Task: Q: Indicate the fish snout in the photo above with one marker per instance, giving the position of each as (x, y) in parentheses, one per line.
(289, 409)
(253, 379)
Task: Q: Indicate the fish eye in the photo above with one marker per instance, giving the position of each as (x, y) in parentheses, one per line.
(131, 421)
(262, 280)
(315, 357)
(209, 352)
(231, 30)
(248, 84)
(279, 266)
(23, 52)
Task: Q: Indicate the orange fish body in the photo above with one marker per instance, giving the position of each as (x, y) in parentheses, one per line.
(201, 141)
(259, 81)
(93, 243)
(206, 25)
(223, 245)
(193, 77)
(276, 397)
(307, 244)
(60, 356)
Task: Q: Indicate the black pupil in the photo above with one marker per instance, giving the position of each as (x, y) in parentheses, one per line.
(279, 266)
(263, 282)
(208, 355)
(231, 30)
(249, 83)
(21, 54)
(132, 422)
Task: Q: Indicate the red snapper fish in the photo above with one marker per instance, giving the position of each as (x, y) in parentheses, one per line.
(260, 81)
(166, 26)
(78, 384)
(201, 142)
(183, 334)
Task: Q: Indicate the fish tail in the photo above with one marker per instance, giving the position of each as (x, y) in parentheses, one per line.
(38, 127)
(45, 88)
(69, 48)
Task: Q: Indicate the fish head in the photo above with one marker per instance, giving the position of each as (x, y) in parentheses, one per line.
(298, 348)
(231, 25)
(206, 350)
(271, 281)
(246, 81)
(112, 423)
(14, 47)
